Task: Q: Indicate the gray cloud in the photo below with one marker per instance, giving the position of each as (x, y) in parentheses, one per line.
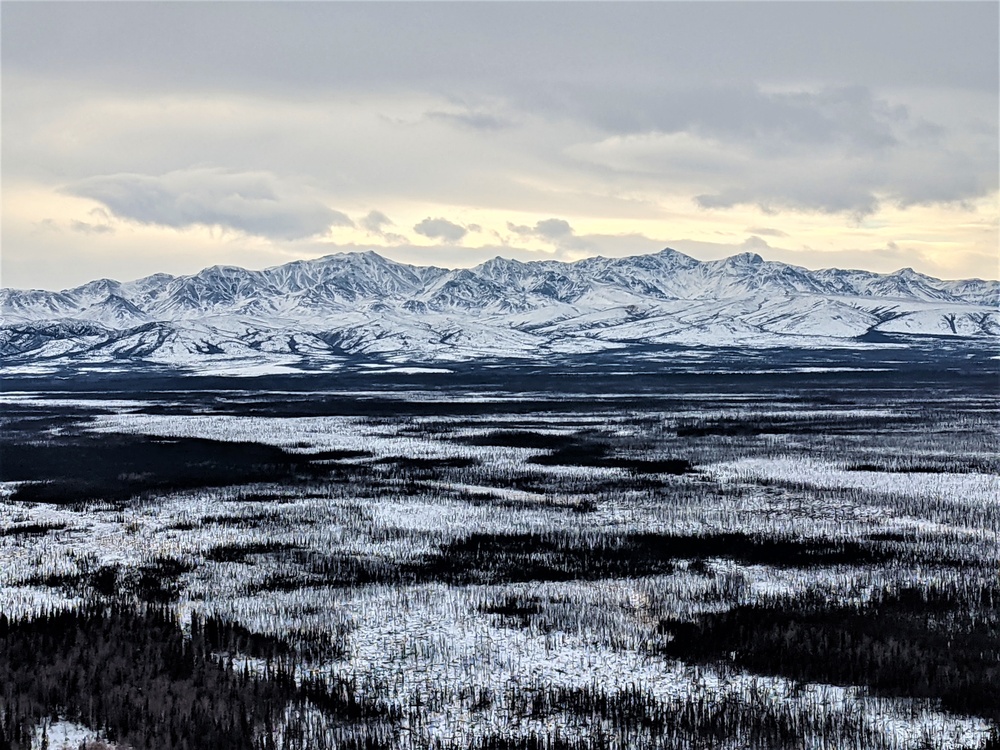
(440, 229)
(859, 100)
(771, 198)
(553, 228)
(497, 47)
(472, 119)
(837, 149)
(85, 227)
(375, 221)
(856, 185)
(252, 202)
(753, 242)
(769, 123)
(767, 232)
(548, 229)
(830, 107)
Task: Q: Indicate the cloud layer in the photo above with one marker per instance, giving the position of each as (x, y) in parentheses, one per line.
(549, 229)
(440, 229)
(559, 127)
(255, 203)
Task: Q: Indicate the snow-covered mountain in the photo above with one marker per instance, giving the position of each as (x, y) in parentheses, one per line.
(361, 304)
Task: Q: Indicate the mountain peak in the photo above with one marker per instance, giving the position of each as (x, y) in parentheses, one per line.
(669, 252)
(114, 310)
(498, 261)
(365, 304)
(315, 289)
(119, 302)
(224, 270)
(747, 258)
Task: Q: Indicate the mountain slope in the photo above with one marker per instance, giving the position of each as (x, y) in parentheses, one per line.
(364, 305)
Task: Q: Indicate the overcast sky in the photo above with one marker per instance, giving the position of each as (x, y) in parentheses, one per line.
(145, 137)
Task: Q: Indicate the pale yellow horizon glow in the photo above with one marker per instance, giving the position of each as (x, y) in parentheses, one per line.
(284, 127)
(76, 240)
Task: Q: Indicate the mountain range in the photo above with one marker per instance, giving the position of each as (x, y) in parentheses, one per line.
(363, 305)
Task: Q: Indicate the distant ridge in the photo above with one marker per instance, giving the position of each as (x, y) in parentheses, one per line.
(362, 304)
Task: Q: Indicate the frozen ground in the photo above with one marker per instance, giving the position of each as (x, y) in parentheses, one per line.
(468, 560)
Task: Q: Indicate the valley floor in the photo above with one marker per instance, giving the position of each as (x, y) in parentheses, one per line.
(793, 557)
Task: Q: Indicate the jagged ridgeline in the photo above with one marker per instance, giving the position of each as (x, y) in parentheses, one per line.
(361, 304)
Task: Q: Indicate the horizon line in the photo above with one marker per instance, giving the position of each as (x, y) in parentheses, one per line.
(373, 251)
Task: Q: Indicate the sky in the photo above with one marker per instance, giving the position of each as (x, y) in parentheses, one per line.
(144, 137)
